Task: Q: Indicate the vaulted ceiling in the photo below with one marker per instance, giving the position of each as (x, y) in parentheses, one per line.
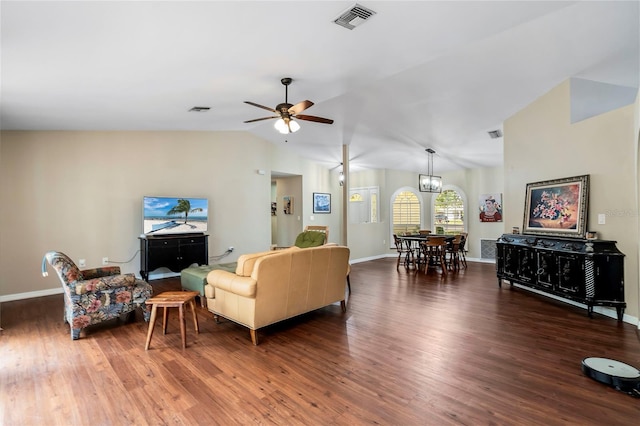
(415, 75)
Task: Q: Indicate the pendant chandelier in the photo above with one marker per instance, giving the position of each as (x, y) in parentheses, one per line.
(429, 182)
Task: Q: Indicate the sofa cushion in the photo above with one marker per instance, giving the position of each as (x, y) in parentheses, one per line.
(104, 283)
(308, 239)
(242, 286)
(246, 262)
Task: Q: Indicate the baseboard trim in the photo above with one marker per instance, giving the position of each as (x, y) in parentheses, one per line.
(366, 259)
(160, 276)
(603, 310)
(30, 294)
(58, 290)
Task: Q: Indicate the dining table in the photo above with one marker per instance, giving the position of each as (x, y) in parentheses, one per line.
(413, 243)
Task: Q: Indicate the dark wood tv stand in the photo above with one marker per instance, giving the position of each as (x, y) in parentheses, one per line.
(175, 252)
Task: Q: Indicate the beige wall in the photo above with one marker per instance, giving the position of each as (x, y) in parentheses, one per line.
(541, 143)
(81, 193)
(472, 183)
(371, 240)
(636, 131)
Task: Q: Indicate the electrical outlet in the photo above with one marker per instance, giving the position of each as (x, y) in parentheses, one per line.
(105, 260)
(82, 263)
(230, 248)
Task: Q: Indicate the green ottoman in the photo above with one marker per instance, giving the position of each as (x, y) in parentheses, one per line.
(194, 278)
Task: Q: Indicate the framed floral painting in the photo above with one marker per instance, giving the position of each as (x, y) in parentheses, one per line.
(557, 207)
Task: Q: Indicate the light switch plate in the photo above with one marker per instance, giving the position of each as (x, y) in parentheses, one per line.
(601, 219)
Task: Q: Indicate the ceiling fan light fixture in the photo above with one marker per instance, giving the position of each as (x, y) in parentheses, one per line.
(286, 126)
(281, 126)
(286, 113)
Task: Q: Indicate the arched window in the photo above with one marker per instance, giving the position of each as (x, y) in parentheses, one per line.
(448, 212)
(406, 208)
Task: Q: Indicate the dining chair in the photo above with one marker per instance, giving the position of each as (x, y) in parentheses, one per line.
(434, 253)
(462, 249)
(452, 253)
(403, 251)
(424, 231)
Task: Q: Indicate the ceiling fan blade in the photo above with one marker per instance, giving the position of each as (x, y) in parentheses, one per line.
(260, 106)
(299, 107)
(314, 118)
(263, 118)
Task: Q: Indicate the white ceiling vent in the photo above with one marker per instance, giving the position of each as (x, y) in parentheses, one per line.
(354, 16)
(495, 134)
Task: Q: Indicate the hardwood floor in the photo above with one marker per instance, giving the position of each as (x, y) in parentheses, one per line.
(412, 349)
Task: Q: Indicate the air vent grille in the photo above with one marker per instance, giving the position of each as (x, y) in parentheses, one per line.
(487, 249)
(354, 16)
(495, 134)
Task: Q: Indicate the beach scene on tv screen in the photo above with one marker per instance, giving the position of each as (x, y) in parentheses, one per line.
(168, 215)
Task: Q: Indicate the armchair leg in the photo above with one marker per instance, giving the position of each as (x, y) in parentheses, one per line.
(146, 312)
(343, 306)
(75, 333)
(349, 284)
(254, 336)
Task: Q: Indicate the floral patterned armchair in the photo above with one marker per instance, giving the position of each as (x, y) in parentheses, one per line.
(95, 295)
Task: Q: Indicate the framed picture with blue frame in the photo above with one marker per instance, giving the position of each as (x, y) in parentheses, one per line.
(321, 202)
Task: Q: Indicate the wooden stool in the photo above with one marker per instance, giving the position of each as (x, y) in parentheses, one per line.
(172, 299)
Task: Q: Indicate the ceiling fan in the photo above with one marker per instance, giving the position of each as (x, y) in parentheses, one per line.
(287, 112)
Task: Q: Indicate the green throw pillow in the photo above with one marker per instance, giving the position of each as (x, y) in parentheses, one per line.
(310, 239)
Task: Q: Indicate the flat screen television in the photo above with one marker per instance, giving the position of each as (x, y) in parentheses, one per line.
(175, 215)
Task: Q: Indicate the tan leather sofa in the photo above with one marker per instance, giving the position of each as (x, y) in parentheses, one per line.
(272, 286)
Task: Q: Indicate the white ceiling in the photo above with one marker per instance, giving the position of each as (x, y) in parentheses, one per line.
(418, 74)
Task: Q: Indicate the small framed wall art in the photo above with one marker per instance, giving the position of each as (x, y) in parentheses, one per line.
(490, 207)
(288, 204)
(321, 202)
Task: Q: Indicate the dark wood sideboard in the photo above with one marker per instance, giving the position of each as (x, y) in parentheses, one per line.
(590, 272)
(175, 252)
